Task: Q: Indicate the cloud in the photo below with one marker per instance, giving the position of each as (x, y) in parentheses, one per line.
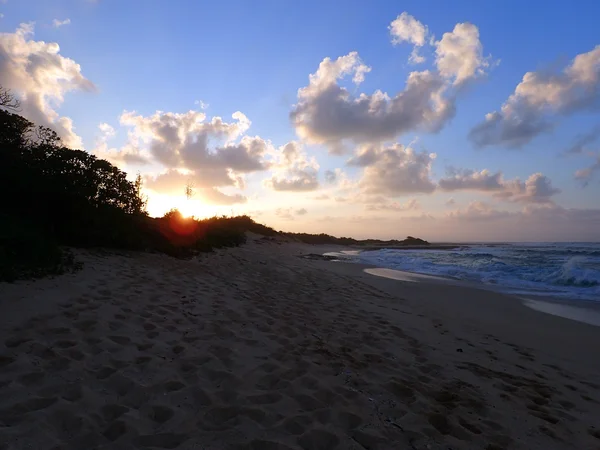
(183, 140)
(330, 176)
(405, 28)
(212, 153)
(201, 104)
(213, 196)
(293, 170)
(477, 211)
(41, 77)
(204, 182)
(586, 175)
(59, 23)
(459, 54)
(450, 201)
(122, 157)
(289, 213)
(410, 205)
(536, 189)
(581, 143)
(329, 114)
(538, 99)
(465, 179)
(321, 197)
(398, 170)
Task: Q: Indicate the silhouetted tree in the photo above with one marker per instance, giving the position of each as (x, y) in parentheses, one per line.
(7, 100)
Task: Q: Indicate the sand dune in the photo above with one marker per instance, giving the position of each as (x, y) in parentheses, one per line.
(256, 348)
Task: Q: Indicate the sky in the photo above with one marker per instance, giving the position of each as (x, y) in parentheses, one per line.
(451, 121)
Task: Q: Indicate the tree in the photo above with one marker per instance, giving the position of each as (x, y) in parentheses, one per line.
(139, 183)
(7, 100)
(189, 190)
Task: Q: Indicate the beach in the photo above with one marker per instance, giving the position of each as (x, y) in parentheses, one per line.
(258, 347)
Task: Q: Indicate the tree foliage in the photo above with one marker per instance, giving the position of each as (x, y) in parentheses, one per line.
(53, 196)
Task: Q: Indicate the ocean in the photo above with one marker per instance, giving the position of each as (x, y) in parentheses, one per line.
(561, 270)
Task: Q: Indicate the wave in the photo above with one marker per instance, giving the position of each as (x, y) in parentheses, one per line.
(565, 270)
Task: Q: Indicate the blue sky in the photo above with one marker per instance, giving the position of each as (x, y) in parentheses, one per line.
(253, 57)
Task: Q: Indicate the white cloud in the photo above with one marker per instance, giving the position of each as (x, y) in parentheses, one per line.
(536, 189)
(466, 179)
(397, 170)
(450, 201)
(459, 54)
(405, 28)
(40, 77)
(211, 154)
(60, 23)
(293, 170)
(538, 98)
(201, 104)
(327, 113)
(321, 197)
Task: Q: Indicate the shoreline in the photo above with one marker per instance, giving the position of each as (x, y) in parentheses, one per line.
(260, 347)
(529, 296)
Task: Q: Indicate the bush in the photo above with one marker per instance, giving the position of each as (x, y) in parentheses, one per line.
(27, 252)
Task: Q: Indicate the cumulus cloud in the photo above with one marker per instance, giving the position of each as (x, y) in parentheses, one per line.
(398, 170)
(40, 76)
(405, 28)
(536, 189)
(293, 170)
(538, 98)
(204, 182)
(118, 157)
(211, 154)
(459, 54)
(450, 201)
(328, 113)
(301, 211)
(466, 179)
(60, 23)
(321, 197)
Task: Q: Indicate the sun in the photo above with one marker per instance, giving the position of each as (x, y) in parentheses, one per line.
(189, 208)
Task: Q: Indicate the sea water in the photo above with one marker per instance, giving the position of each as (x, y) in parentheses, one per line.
(562, 270)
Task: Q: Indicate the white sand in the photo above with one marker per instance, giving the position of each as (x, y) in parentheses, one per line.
(255, 348)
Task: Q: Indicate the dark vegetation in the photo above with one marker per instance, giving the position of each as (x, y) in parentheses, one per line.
(326, 239)
(54, 197)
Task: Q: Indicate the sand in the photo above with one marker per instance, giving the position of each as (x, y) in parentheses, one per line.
(257, 348)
